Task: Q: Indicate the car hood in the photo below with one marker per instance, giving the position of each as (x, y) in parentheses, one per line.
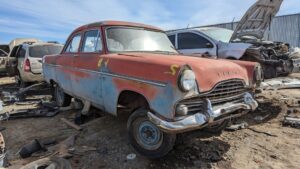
(209, 72)
(257, 19)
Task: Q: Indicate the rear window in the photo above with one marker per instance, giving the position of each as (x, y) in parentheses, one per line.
(40, 51)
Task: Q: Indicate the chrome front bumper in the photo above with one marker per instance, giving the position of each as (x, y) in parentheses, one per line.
(202, 119)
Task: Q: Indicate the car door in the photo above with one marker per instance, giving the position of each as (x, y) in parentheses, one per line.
(191, 43)
(87, 78)
(64, 63)
(12, 62)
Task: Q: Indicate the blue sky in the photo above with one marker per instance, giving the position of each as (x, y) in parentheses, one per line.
(55, 19)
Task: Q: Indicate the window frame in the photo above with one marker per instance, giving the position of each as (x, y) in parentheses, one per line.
(70, 41)
(22, 49)
(98, 35)
(174, 39)
(14, 51)
(209, 41)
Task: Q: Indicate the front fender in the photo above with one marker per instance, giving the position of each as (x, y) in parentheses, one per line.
(232, 50)
(161, 99)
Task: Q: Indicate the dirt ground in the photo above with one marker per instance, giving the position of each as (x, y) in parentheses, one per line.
(103, 141)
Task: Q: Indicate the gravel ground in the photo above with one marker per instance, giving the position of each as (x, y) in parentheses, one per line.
(103, 141)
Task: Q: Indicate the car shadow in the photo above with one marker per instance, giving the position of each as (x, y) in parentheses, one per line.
(266, 112)
(196, 153)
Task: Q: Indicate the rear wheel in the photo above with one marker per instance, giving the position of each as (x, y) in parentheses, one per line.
(146, 137)
(62, 99)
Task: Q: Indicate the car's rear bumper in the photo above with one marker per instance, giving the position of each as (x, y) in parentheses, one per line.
(202, 119)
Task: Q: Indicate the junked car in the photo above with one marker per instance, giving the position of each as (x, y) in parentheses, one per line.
(122, 67)
(25, 61)
(244, 43)
(11, 49)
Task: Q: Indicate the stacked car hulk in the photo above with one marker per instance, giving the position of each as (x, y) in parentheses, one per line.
(245, 43)
(123, 67)
(25, 60)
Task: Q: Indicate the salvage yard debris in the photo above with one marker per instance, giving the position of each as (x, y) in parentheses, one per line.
(3, 160)
(236, 127)
(49, 163)
(73, 125)
(280, 83)
(30, 148)
(29, 113)
(291, 121)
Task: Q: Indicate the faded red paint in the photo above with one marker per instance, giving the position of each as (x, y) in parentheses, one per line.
(146, 89)
(155, 67)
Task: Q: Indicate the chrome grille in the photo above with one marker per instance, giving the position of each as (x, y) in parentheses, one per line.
(224, 92)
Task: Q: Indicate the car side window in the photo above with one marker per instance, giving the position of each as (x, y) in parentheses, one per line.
(14, 52)
(22, 52)
(92, 42)
(192, 41)
(172, 39)
(73, 45)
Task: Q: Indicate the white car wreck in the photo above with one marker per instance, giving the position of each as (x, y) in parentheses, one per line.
(244, 43)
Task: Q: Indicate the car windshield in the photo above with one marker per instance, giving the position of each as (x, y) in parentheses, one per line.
(40, 51)
(126, 39)
(218, 34)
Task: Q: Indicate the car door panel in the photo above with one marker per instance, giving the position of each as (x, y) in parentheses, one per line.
(64, 64)
(86, 79)
(12, 62)
(191, 43)
(64, 71)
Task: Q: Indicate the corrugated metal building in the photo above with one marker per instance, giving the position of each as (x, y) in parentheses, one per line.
(283, 28)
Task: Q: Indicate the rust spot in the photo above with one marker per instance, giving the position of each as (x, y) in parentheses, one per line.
(147, 90)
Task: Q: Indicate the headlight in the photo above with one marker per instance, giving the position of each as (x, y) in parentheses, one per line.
(187, 80)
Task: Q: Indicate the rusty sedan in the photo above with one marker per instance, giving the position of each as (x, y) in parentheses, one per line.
(122, 67)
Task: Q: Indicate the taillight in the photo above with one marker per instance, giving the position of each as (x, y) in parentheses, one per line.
(27, 65)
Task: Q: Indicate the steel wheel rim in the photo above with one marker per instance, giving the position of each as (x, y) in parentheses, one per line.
(147, 135)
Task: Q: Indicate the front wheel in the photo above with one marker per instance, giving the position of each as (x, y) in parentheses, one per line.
(62, 99)
(146, 137)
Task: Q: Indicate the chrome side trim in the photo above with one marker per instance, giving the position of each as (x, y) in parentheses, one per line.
(113, 75)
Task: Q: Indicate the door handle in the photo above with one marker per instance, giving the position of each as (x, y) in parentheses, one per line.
(75, 55)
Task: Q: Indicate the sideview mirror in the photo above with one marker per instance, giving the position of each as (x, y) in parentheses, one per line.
(209, 45)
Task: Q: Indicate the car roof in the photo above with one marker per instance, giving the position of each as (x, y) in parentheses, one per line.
(195, 29)
(41, 44)
(117, 23)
